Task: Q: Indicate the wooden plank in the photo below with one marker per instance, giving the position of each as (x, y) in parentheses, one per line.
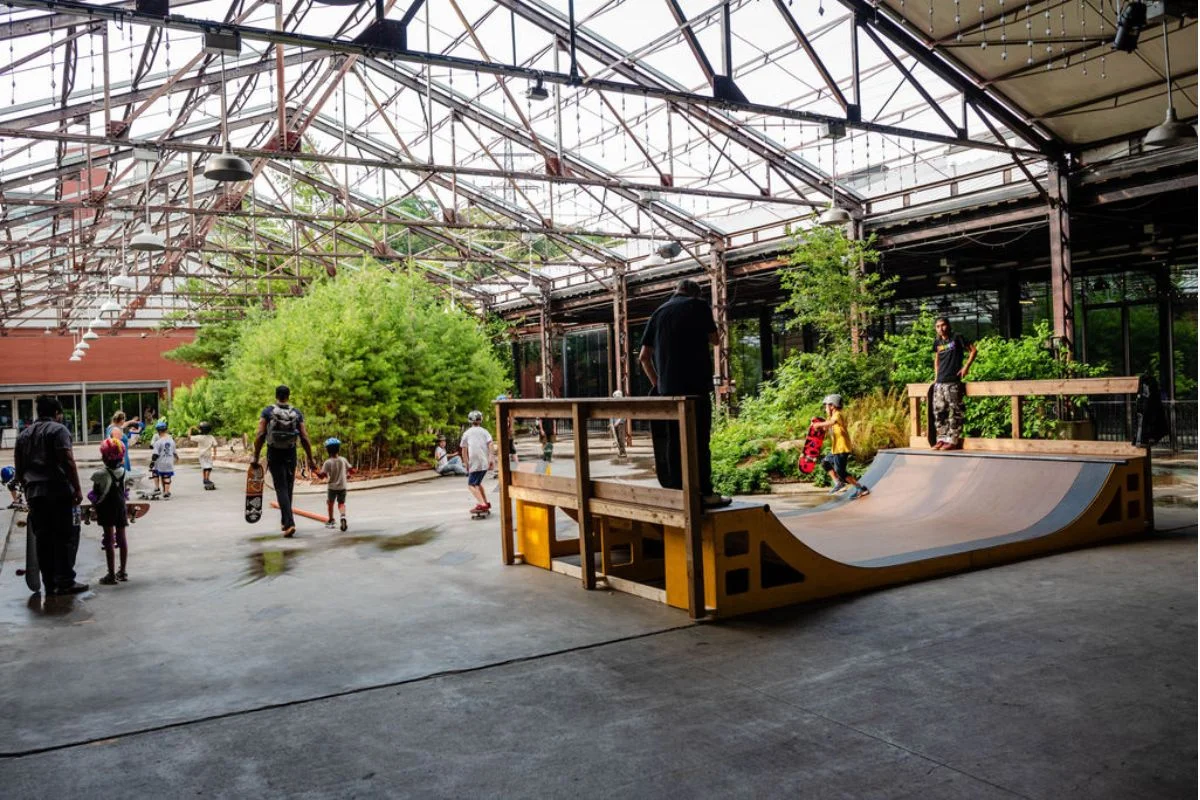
(692, 511)
(550, 483)
(547, 498)
(507, 534)
(599, 408)
(615, 583)
(1018, 418)
(1070, 386)
(639, 495)
(914, 416)
(583, 491)
(660, 516)
(1033, 446)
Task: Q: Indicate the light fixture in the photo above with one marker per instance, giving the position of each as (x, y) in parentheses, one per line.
(530, 289)
(83, 346)
(1130, 22)
(110, 306)
(947, 280)
(75, 358)
(227, 167)
(90, 335)
(146, 240)
(834, 216)
(122, 280)
(1026, 297)
(669, 251)
(98, 322)
(78, 352)
(537, 91)
(1170, 132)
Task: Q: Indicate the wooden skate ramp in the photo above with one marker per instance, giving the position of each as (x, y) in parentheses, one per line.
(928, 513)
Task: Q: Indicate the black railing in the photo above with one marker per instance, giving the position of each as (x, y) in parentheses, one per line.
(1113, 420)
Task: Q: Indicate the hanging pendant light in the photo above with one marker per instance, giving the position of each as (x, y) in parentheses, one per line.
(110, 306)
(75, 357)
(146, 241)
(1171, 132)
(226, 167)
(530, 289)
(122, 280)
(83, 346)
(90, 335)
(835, 215)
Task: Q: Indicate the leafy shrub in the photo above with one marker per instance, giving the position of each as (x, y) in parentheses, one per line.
(877, 421)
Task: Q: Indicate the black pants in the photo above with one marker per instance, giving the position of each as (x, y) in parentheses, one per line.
(57, 540)
(281, 463)
(665, 436)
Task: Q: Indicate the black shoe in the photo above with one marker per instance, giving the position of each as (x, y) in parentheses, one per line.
(76, 588)
(716, 501)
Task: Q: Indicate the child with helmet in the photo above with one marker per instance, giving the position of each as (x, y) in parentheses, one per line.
(838, 458)
(206, 451)
(162, 460)
(335, 470)
(108, 501)
(476, 447)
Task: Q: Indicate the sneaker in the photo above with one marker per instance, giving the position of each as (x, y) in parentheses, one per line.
(344, 525)
(76, 588)
(859, 491)
(716, 501)
(122, 576)
(289, 531)
(109, 580)
(837, 487)
(330, 524)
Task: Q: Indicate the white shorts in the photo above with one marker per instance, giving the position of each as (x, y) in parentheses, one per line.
(206, 462)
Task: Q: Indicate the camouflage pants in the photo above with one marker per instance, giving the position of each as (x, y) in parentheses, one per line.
(948, 411)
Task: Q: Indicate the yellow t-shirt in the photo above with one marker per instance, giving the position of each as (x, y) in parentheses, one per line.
(839, 436)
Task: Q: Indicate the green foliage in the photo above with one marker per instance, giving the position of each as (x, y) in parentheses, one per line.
(199, 402)
(877, 421)
(830, 284)
(376, 358)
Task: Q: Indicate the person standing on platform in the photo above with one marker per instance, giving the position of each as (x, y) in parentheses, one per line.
(949, 392)
(45, 465)
(676, 355)
(279, 427)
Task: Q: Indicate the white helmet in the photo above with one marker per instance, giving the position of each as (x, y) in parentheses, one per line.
(618, 393)
(834, 400)
(475, 416)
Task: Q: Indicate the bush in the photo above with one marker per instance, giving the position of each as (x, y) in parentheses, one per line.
(876, 422)
(376, 358)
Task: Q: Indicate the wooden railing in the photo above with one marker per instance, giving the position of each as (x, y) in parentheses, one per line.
(1017, 391)
(580, 493)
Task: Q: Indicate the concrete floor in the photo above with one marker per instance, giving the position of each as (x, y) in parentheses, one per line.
(404, 660)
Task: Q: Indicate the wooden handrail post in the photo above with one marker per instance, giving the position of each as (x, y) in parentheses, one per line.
(1018, 418)
(692, 509)
(503, 444)
(583, 493)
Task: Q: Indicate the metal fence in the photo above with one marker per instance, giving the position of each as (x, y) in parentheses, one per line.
(1113, 420)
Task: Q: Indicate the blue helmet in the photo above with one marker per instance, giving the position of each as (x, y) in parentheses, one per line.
(161, 425)
(7, 474)
(333, 441)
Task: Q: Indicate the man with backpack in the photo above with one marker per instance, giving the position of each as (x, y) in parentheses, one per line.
(279, 427)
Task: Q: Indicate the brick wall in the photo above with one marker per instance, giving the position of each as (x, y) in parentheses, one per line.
(33, 357)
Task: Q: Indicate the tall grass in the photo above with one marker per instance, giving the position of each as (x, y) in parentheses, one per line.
(877, 421)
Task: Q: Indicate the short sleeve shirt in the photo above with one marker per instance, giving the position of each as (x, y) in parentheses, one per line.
(839, 436)
(478, 442)
(678, 333)
(164, 448)
(949, 357)
(336, 470)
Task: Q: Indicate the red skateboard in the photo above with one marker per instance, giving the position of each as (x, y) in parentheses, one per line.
(811, 453)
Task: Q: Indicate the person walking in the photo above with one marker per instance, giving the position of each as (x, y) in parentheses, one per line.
(335, 470)
(279, 427)
(676, 355)
(949, 392)
(45, 465)
(476, 448)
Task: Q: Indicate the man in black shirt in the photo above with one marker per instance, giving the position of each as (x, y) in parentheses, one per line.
(676, 356)
(948, 389)
(45, 463)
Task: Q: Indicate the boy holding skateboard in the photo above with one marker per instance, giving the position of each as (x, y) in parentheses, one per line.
(335, 469)
(206, 450)
(162, 462)
(838, 459)
(108, 502)
(476, 447)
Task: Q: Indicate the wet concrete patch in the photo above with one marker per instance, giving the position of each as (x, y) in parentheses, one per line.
(387, 542)
(273, 562)
(269, 564)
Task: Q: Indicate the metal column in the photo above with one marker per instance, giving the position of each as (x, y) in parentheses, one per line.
(719, 278)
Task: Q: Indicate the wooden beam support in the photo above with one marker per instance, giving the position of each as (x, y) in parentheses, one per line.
(583, 492)
(693, 519)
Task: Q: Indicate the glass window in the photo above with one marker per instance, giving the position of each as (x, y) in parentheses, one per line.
(586, 358)
(97, 422)
(70, 404)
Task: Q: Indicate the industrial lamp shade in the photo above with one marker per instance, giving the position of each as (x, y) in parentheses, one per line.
(98, 322)
(122, 281)
(531, 290)
(90, 335)
(75, 358)
(147, 241)
(83, 346)
(110, 307)
(228, 167)
(833, 216)
(1170, 133)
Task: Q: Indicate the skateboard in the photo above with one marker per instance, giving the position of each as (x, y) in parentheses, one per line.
(930, 419)
(209, 486)
(811, 452)
(254, 492)
(134, 511)
(33, 577)
(481, 514)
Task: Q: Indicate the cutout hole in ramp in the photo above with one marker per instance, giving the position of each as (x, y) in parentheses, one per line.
(737, 581)
(737, 543)
(1133, 510)
(1113, 512)
(620, 554)
(774, 570)
(652, 548)
(1132, 481)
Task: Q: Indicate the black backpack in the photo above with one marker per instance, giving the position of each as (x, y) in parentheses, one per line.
(283, 427)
